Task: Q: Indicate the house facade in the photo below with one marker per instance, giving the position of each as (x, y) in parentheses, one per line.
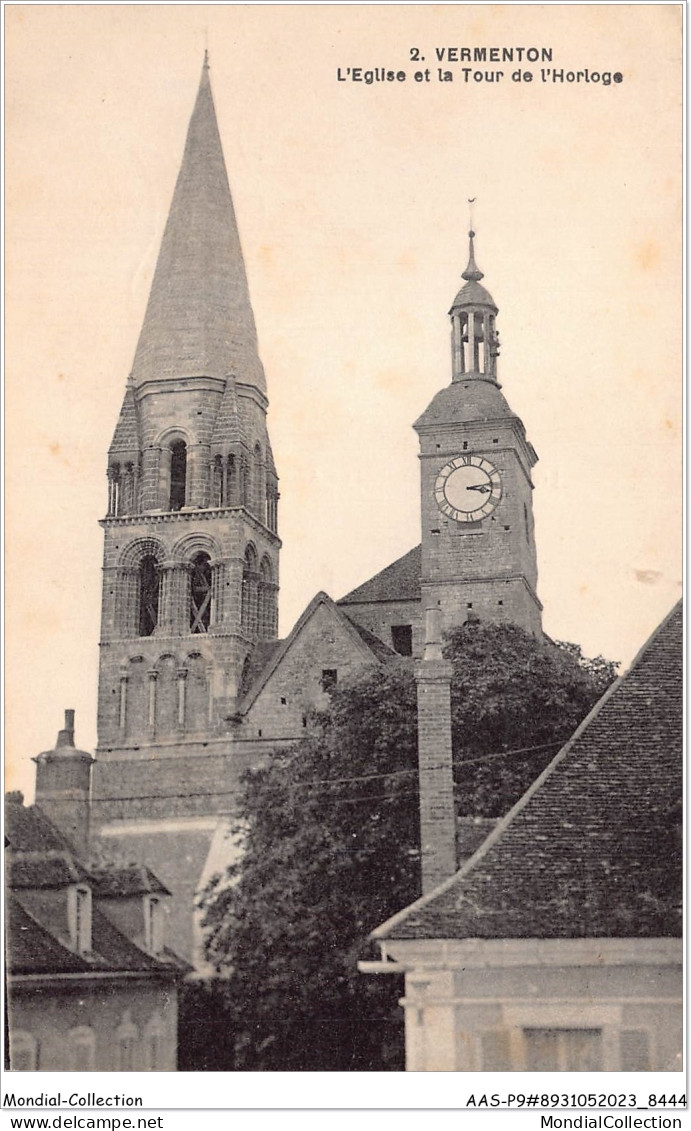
(91, 983)
(557, 946)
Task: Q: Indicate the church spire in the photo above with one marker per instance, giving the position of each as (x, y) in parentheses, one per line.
(472, 273)
(199, 319)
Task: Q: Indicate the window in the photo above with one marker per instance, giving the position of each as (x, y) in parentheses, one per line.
(266, 601)
(126, 1036)
(155, 1045)
(23, 1051)
(82, 1043)
(148, 595)
(79, 918)
(200, 594)
(402, 639)
(563, 1050)
(153, 924)
(249, 593)
(329, 678)
(178, 474)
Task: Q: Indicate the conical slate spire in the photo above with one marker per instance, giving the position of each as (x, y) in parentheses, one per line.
(199, 320)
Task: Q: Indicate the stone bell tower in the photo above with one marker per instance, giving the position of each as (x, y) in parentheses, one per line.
(190, 571)
(478, 537)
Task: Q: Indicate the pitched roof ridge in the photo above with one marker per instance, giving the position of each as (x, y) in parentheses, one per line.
(507, 821)
(320, 598)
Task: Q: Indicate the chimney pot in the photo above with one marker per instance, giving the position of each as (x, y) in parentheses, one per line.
(66, 736)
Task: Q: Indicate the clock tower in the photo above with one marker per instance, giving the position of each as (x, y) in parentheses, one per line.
(478, 538)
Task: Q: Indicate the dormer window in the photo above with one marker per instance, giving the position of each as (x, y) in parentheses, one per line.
(153, 924)
(79, 918)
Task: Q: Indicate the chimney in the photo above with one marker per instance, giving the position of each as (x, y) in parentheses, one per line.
(66, 736)
(63, 786)
(437, 812)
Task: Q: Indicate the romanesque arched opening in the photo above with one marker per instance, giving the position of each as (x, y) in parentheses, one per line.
(148, 595)
(200, 593)
(249, 592)
(178, 474)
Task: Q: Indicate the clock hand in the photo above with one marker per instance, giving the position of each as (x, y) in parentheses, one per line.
(483, 488)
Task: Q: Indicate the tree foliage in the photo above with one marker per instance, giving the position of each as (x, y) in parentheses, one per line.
(331, 842)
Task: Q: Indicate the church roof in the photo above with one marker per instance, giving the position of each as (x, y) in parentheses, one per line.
(473, 294)
(399, 581)
(199, 320)
(370, 646)
(466, 401)
(377, 646)
(593, 848)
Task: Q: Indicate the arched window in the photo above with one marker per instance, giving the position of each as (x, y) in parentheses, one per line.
(114, 493)
(258, 487)
(82, 1041)
(178, 474)
(197, 700)
(200, 594)
(137, 708)
(127, 1035)
(217, 499)
(265, 600)
(166, 696)
(155, 1044)
(249, 592)
(148, 595)
(243, 486)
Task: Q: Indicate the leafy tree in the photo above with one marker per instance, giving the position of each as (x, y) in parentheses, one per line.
(331, 842)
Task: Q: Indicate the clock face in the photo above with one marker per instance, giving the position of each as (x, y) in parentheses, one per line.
(468, 488)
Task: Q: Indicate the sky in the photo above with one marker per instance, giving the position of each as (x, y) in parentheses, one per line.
(351, 200)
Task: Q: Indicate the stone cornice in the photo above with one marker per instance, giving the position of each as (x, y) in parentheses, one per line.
(470, 426)
(489, 580)
(174, 384)
(184, 516)
(445, 954)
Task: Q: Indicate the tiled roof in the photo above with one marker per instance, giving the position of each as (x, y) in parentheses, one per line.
(40, 858)
(135, 879)
(464, 402)
(473, 294)
(593, 849)
(377, 646)
(400, 581)
(126, 436)
(257, 661)
(27, 829)
(44, 870)
(32, 949)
